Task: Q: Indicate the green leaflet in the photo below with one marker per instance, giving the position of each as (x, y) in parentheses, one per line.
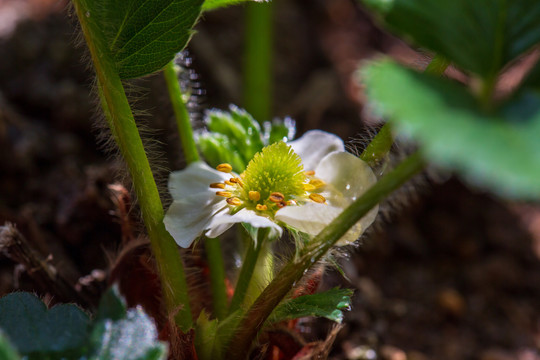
(499, 150)
(329, 304)
(32, 328)
(65, 331)
(216, 4)
(480, 36)
(140, 36)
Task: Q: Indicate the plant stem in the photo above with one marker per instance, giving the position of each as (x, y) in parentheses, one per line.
(217, 276)
(248, 266)
(258, 60)
(120, 119)
(272, 295)
(170, 72)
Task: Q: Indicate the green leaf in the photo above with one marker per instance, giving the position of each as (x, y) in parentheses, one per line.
(216, 4)
(141, 36)
(112, 305)
(329, 304)
(32, 328)
(481, 36)
(131, 338)
(498, 150)
(7, 352)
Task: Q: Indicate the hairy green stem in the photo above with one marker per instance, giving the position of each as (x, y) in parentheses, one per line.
(382, 142)
(292, 272)
(258, 60)
(217, 276)
(246, 273)
(120, 119)
(170, 72)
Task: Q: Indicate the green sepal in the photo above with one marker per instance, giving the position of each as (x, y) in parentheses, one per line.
(329, 304)
(217, 149)
(279, 130)
(205, 336)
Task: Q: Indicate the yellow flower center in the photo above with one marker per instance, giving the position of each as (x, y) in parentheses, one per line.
(274, 178)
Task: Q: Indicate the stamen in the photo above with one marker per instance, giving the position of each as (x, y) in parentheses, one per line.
(226, 194)
(217, 185)
(226, 168)
(318, 198)
(237, 181)
(228, 182)
(309, 172)
(276, 197)
(254, 195)
(309, 187)
(261, 207)
(282, 204)
(234, 201)
(317, 183)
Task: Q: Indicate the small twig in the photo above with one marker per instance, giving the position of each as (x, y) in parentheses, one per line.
(39, 267)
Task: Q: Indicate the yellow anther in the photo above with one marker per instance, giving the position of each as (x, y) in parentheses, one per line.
(226, 168)
(309, 187)
(234, 201)
(229, 182)
(261, 207)
(309, 172)
(217, 185)
(237, 181)
(276, 197)
(226, 194)
(254, 195)
(317, 183)
(318, 198)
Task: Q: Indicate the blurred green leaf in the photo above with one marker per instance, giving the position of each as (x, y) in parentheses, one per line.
(329, 304)
(133, 337)
(32, 328)
(111, 305)
(7, 352)
(216, 4)
(499, 150)
(480, 36)
(141, 36)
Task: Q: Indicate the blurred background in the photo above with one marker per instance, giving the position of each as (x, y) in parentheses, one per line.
(449, 272)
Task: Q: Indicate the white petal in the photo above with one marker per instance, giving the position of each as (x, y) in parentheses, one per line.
(243, 216)
(187, 218)
(314, 145)
(347, 177)
(195, 178)
(310, 218)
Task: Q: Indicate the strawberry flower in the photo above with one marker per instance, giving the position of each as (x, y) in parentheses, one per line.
(303, 184)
